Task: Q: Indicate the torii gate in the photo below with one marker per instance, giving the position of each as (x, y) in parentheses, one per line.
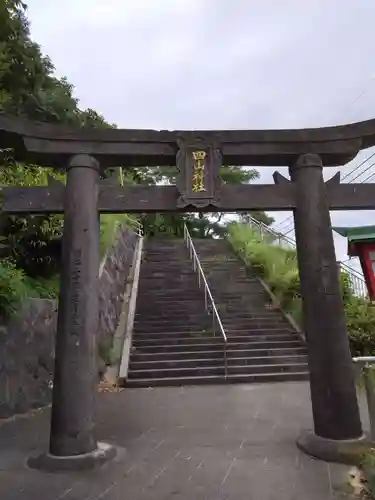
(198, 156)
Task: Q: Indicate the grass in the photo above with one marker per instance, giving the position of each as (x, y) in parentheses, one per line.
(15, 286)
(278, 267)
(109, 224)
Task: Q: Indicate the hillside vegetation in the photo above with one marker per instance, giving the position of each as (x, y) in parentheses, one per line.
(279, 268)
(30, 245)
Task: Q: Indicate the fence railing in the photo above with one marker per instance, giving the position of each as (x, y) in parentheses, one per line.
(357, 282)
(208, 299)
(366, 370)
(137, 226)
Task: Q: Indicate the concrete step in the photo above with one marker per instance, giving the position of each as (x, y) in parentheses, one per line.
(173, 295)
(176, 363)
(151, 328)
(219, 379)
(164, 285)
(215, 370)
(235, 304)
(163, 316)
(151, 273)
(172, 341)
(175, 331)
(195, 371)
(167, 266)
(230, 321)
(250, 324)
(207, 330)
(204, 338)
(219, 346)
(174, 306)
(140, 356)
(216, 361)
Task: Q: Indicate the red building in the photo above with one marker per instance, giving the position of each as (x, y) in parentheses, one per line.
(361, 243)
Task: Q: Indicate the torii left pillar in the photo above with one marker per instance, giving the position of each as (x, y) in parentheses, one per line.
(72, 440)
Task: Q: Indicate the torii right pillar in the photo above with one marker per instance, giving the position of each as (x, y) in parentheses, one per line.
(337, 425)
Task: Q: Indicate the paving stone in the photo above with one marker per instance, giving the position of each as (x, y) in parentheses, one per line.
(234, 442)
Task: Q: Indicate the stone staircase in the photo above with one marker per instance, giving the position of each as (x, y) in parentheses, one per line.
(262, 345)
(173, 341)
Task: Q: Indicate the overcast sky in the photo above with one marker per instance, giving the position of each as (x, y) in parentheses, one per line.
(218, 64)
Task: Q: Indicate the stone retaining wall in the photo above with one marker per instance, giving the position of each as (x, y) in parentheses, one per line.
(27, 341)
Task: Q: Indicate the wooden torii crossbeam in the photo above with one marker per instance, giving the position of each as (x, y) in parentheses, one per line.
(198, 156)
(55, 145)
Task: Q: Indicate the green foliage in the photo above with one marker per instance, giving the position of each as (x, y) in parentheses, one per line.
(32, 242)
(28, 87)
(43, 288)
(361, 326)
(201, 225)
(279, 268)
(12, 287)
(259, 216)
(276, 265)
(109, 225)
(15, 286)
(368, 474)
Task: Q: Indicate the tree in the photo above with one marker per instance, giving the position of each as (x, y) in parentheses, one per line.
(29, 88)
(201, 225)
(260, 216)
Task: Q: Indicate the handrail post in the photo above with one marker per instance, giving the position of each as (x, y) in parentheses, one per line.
(225, 361)
(369, 387)
(366, 362)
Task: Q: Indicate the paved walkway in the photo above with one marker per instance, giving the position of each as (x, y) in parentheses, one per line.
(234, 442)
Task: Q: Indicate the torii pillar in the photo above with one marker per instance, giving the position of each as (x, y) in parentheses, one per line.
(73, 443)
(337, 424)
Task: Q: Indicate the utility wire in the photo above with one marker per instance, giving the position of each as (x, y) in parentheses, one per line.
(345, 177)
(363, 172)
(284, 221)
(359, 96)
(370, 176)
(288, 230)
(357, 167)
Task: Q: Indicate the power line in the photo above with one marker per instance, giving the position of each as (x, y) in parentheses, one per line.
(290, 230)
(359, 96)
(356, 168)
(363, 171)
(370, 176)
(283, 221)
(287, 229)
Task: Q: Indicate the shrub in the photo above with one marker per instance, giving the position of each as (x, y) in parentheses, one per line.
(15, 286)
(109, 225)
(12, 287)
(32, 242)
(279, 268)
(276, 265)
(361, 326)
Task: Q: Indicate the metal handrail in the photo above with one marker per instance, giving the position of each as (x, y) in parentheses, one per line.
(365, 362)
(351, 270)
(357, 280)
(207, 293)
(136, 225)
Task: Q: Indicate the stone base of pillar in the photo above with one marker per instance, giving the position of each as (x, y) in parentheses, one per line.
(348, 451)
(87, 461)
